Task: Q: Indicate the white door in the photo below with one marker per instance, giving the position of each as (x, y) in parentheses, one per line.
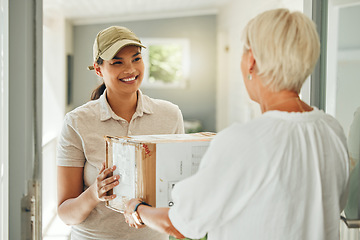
(20, 121)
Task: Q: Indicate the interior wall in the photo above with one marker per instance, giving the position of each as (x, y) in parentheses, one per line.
(54, 78)
(197, 100)
(348, 67)
(348, 97)
(54, 85)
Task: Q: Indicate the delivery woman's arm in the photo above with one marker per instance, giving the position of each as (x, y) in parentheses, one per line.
(75, 204)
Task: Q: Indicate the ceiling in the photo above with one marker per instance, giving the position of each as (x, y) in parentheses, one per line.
(85, 11)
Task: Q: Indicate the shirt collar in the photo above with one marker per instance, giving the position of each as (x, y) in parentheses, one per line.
(143, 106)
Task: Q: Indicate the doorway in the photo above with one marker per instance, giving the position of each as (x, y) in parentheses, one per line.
(342, 96)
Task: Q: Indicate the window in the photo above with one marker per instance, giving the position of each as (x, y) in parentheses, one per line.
(166, 62)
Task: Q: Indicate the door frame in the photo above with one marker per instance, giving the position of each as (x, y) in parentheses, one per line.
(317, 11)
(4, 123)
(24, 102)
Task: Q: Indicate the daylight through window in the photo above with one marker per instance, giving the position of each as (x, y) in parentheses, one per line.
(166, 62)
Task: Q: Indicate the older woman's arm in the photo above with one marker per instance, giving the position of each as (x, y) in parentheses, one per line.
(155, 218)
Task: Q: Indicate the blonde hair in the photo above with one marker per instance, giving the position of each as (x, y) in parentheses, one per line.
(285, 46)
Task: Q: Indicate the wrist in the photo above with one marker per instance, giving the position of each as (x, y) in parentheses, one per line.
(136, 215)
(93, 194)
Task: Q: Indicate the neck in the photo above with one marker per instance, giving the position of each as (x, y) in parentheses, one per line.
(124, 106)
(284, 100)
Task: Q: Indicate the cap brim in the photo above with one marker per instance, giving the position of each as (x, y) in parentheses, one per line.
(90, 67)
(115, 48)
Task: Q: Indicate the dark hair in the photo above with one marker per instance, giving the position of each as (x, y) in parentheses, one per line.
(97, 92)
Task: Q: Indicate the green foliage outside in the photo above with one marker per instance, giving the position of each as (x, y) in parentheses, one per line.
(165, 63)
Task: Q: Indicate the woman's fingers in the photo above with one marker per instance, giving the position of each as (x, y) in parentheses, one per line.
(102, 192)
(107, 198)
(107, 187)
(102, 167)
(106, 182)
(104, 173)
(129, 220)
(110, 180)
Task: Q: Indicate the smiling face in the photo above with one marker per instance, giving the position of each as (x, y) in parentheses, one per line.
(124, 73)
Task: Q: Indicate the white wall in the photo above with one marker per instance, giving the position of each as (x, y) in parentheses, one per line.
(54, 93)
(54, 75)
(347, 98)
(233, 103)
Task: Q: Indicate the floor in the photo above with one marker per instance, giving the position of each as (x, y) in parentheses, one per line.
(57, 230)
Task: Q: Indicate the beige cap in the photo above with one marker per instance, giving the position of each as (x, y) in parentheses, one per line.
(109, 41)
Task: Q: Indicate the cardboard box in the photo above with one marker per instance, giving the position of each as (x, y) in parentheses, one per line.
(150, 165)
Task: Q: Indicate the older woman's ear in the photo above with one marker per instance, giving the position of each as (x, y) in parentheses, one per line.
(251, 61)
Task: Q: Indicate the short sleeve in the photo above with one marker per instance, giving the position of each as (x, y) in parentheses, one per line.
(70, 151)
(180, 123)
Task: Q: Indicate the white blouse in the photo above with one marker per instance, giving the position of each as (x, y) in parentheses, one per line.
(281, 176)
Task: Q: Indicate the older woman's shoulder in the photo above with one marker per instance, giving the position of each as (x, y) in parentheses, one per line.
(238, 132)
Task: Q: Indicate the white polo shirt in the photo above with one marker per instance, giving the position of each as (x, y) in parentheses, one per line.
(82, 144)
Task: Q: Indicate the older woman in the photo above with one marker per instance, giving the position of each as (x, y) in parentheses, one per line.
(281, 176)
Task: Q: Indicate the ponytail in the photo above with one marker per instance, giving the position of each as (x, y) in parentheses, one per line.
(101, 88)
(98, 91)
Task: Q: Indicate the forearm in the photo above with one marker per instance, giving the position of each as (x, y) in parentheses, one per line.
(158, 219)
(75, 210)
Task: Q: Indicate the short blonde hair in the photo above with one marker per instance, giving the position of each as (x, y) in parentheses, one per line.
(285, 46)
